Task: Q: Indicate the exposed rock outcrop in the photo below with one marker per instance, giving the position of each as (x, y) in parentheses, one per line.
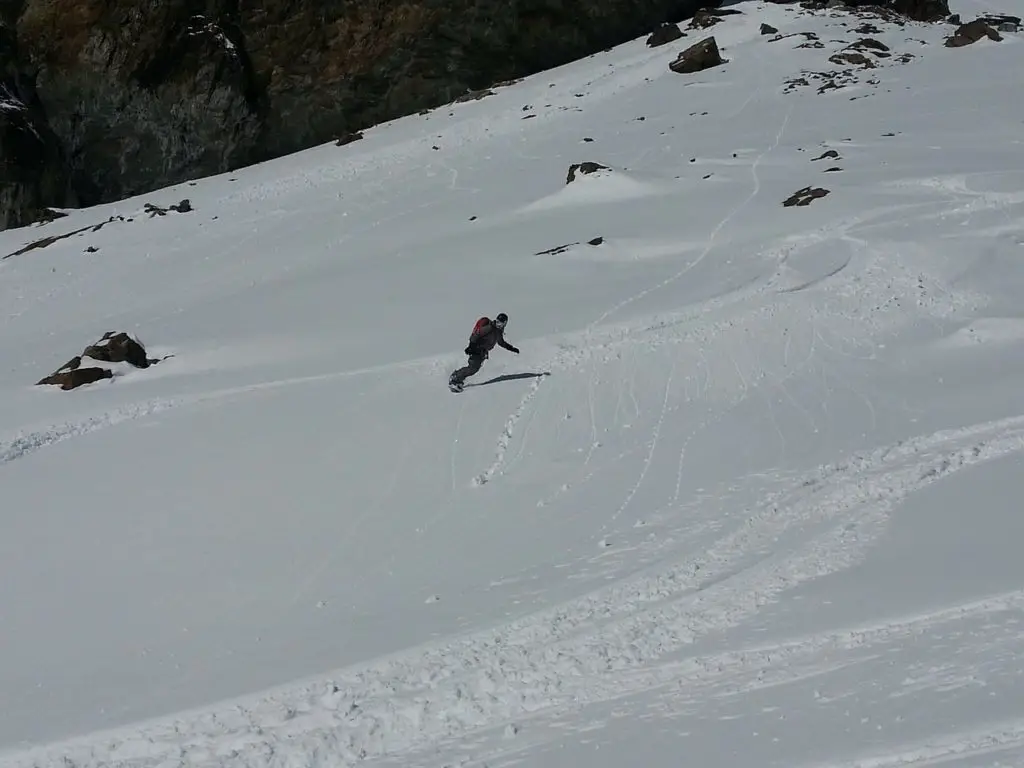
(698, 57)
(585, 167)
(113, 348)
(664, 34)
(805, 196)
(972, 32)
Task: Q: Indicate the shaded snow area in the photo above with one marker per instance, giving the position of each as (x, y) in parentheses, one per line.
(749, 496)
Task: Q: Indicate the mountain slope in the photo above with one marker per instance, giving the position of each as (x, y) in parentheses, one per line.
(718, 506)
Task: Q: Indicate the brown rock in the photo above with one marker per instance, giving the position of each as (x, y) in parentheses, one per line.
(703, 19)
(768, 29)
(111, 348)
(810, 36)
(869, 44)
(118, 348)
(476, 95)
(584, 167)
(155, 210)
(556, 250)
(804, 196)
(698, 57)
(972, 32)
(348, 138)
(1001, 22)
(70, 378)
(852, 57)
(664, 34)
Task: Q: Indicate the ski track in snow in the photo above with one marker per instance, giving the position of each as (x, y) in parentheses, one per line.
(32, 440)
(505, 439)
(603, 646)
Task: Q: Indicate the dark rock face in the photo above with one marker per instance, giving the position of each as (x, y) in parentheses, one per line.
(32, 166)
(922, 10)
(145, 93)
(142, 94)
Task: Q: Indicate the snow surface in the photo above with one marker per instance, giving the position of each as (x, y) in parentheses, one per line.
(750, 496)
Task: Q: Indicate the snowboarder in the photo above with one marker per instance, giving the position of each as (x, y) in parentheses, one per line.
(486, 334)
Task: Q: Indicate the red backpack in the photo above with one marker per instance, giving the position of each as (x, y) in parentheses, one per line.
(480, 324)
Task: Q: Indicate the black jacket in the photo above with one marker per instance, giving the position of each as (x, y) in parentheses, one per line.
(486, 338)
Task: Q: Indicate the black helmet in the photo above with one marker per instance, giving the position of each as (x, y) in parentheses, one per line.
(501, 320)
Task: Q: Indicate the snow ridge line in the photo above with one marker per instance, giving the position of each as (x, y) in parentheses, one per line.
(29, 442)
(590, 649)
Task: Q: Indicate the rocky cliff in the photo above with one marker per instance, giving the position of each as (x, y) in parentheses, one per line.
(111, 98)
(33, 169)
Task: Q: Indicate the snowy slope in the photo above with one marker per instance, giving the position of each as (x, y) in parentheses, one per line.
(748, 497)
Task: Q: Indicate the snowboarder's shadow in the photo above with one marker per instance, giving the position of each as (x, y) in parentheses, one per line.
(509, 377)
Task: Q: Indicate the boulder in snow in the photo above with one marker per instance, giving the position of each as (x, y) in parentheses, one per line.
(1001, 22)
(112, 349)
(804, 196)
(972, 32)
(584, 167)
(348, 138)
(664, 34)
(155, 210)
(698, 57)
(703, 19)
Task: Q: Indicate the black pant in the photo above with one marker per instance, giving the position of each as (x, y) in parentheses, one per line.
(473, 365)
